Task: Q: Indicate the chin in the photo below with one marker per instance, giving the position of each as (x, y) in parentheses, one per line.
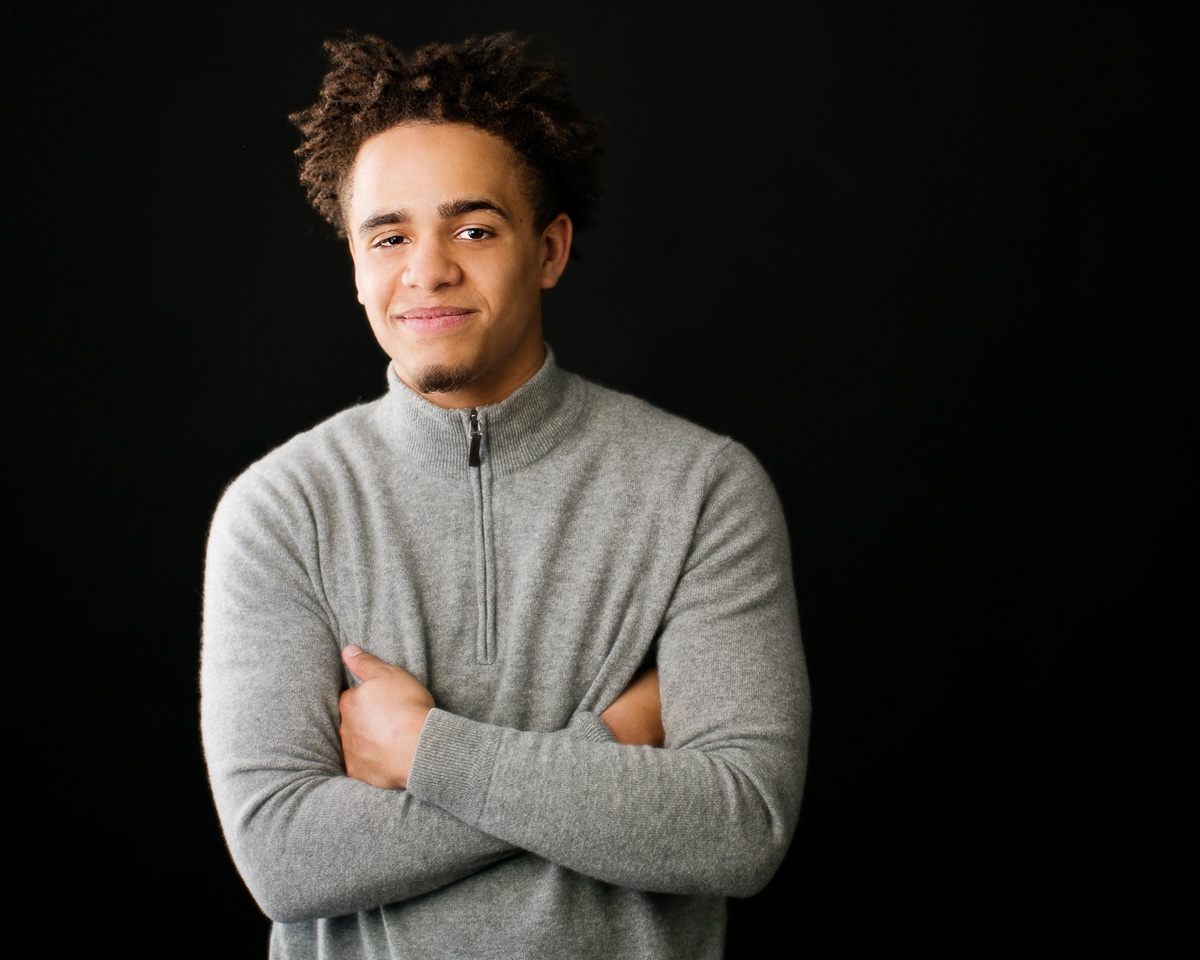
(442, 378)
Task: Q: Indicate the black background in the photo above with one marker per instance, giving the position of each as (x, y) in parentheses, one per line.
(926, 261)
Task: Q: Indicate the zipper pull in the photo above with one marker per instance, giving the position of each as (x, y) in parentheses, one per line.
(476, 440)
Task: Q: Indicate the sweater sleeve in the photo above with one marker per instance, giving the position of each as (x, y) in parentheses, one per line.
(715, 811)
(308, 840)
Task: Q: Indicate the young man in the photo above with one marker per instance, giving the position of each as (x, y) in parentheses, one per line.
(429, 722)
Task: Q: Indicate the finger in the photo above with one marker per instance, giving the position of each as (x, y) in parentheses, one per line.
(360, 663)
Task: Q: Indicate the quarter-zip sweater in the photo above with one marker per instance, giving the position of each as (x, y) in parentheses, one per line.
(521, 560)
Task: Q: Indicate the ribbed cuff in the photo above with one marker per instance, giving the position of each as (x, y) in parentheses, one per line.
(588, 726)
(453, 763)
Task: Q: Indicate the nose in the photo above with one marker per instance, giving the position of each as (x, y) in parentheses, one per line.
(430, 265)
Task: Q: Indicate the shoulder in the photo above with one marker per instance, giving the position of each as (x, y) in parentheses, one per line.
(343, 439)
(291, 477)
(623, 420)
(665, 458)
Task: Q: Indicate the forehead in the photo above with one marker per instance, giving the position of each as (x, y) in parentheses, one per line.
(426, 163)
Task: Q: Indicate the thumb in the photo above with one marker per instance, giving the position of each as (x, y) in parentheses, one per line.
(362, 664)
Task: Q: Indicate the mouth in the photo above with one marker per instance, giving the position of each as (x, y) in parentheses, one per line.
(435, 319)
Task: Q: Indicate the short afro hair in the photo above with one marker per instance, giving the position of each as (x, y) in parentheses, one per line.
(484, 81)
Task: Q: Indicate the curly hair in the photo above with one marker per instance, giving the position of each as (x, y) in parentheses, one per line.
(486, 82)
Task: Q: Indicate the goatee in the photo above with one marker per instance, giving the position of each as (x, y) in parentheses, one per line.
(441, 379)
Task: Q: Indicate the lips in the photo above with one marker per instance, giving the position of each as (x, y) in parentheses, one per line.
(435, 319)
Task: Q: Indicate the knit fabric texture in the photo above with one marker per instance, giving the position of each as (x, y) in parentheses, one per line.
(596, 534)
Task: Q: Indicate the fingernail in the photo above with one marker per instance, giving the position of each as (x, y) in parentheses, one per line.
(353, 649)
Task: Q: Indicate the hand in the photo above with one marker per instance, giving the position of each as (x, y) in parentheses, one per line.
(635, 717)
(381, 720)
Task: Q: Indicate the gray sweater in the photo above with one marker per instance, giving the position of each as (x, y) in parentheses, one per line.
(594, 534)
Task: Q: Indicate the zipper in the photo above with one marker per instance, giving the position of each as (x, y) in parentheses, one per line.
(485, 588)
(476, 440)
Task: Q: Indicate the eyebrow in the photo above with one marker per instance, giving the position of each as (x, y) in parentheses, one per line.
(447, 209)
(456, 208)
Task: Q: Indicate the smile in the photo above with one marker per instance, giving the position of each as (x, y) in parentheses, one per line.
(435, 319)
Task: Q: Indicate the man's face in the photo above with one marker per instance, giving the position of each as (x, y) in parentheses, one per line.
(447, 261)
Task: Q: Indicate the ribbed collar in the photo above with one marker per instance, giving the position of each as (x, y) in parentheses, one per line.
(516, 432)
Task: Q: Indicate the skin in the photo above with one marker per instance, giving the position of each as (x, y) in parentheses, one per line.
(450, 268)
(438, 220)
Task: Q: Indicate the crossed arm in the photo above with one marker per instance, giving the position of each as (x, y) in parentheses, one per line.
(711, 814)
(382, 718)
(309, 840)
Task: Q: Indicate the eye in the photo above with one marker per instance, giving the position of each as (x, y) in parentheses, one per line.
(392, 241)
(474, 233)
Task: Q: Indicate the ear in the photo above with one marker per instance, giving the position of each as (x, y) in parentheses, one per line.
(556, 249)
(354, 260)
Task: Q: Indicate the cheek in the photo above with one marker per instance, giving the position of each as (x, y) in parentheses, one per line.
(372, 287)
